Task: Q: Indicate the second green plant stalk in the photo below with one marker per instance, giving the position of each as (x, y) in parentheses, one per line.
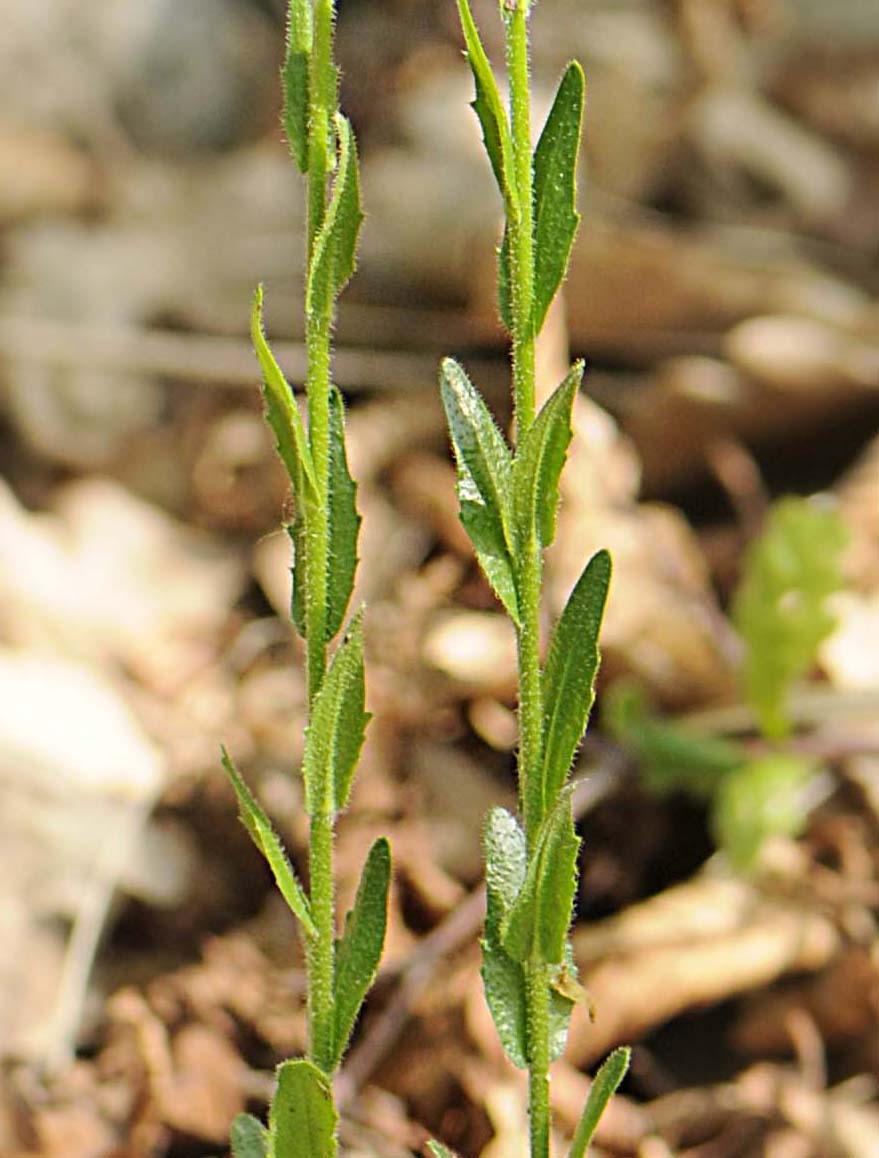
(509, 503)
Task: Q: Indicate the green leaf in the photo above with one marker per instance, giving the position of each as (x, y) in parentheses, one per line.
(672, 759)
(294, 77)
(282, 413)
(506, 857)
(438, 1150)
(491, 112)
(335, 732)
(343, 521)
(539, 461)
(266, 840)
(249, 1137)
(569, 679)
(555, 190)
(335, 246)
(604, 1085)
(360, 947)
(502, 977)
(780, 605)
(540, 918)
(299, 592)
(484, 480)
(763, 798)
(302, 1117)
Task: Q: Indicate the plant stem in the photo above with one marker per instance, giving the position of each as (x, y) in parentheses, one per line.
(322, 105)
(530, 694)
(322, 949)
(318, 325)
(522, 278)
(318, 328)
(521, 240)
(521, 232)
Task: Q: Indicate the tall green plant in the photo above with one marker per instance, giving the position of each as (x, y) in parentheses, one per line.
(302, 1117)
(509, 500)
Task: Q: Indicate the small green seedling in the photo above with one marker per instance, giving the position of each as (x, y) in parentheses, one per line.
(508, 504)
(780, 609)
(324, 531)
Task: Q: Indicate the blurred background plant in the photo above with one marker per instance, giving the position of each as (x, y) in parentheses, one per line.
(781, 611)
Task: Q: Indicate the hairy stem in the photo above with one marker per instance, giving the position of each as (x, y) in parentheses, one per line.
(530, 695)
(322, 106)
(318, 325)
(321, 951)
(521, 234)
(522, 279)
(538, 998)
(318, 328)
(530, 573)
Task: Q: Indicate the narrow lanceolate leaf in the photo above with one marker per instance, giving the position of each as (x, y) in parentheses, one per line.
(343, 521)
(302, 1119)
(295, 80)
(505, 869)
(555, 190)
(282, 413)
(539, 461)
(249, 1138)
(360, 947)
(267, 841)
(538, 922)
(438, 1150)
(335, 246)
(569, 679)
(484, 481)
(604, 1086)
(335, 733)
(489, 107)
